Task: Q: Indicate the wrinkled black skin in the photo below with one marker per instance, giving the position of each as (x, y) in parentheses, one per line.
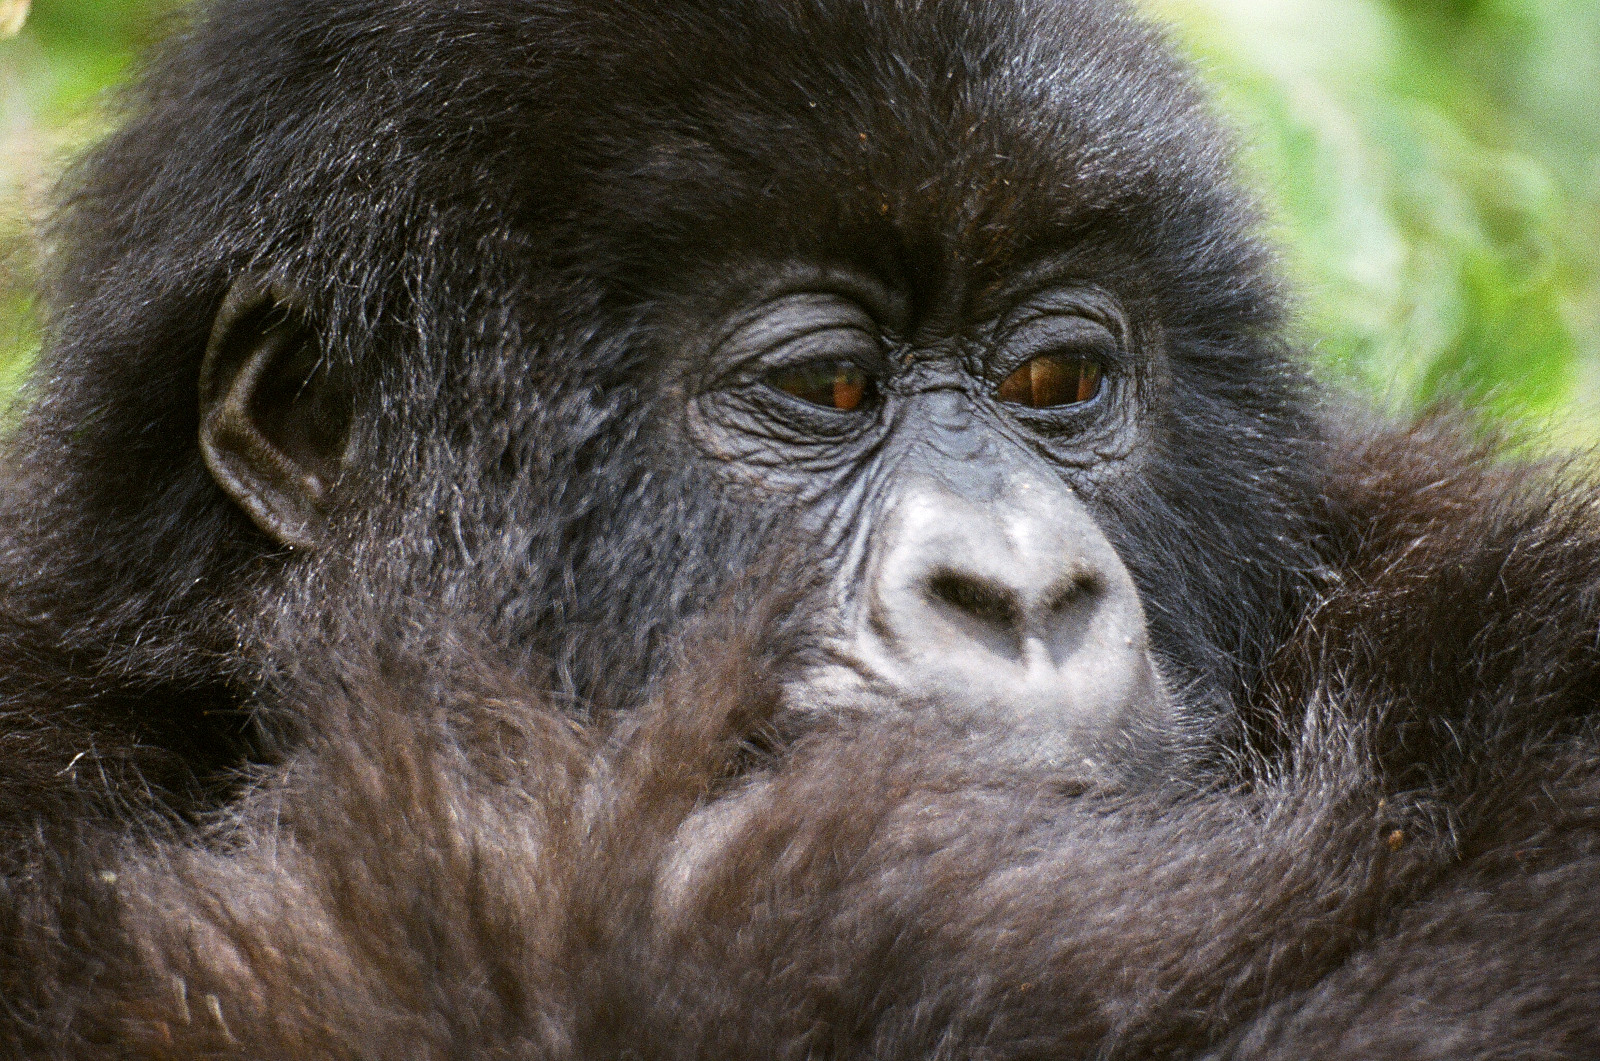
(515, 230)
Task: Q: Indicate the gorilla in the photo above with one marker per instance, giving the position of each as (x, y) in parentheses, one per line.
(768, 528)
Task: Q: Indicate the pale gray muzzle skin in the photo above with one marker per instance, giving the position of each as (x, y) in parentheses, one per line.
(1011, 615)
(1013, 619)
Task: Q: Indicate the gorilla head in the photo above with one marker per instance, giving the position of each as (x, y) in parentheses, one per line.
(569, 317)
(388, 331)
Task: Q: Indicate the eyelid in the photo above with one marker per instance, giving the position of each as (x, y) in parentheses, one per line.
(836, 342)
(1068, 334)
(825, 348)
(792, 317)
(1062, 328)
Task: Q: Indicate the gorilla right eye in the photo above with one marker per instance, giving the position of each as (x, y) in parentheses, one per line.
(830, 383)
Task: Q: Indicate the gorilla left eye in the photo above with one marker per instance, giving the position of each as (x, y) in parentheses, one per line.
(839, 385)
(1052, 380)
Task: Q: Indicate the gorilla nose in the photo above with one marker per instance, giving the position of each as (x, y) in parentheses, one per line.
(1016, 611)
(1012, 613)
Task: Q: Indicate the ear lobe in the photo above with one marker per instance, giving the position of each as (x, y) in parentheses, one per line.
(274, 415)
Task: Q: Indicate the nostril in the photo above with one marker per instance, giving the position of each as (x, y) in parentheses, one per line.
(988, 602)
(1071, 591)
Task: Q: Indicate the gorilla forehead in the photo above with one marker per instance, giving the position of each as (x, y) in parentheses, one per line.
(971, 136)
(972, 133)
(616, 141)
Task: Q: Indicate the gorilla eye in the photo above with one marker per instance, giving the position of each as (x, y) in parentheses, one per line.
(840, 385)
(1051, 380)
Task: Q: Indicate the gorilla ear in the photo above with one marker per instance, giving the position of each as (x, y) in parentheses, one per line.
(274, 416)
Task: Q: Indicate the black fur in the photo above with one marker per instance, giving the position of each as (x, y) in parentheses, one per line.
(495, 213)
(424, 791)
(1409, 872)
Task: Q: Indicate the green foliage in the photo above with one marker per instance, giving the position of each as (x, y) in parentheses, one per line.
(1432, 169)
(54, 78)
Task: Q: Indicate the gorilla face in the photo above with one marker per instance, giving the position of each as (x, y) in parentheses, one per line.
(938, 462)
(933, 466)
(980, 341)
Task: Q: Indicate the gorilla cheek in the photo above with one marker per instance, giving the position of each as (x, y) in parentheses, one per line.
(1012, 614)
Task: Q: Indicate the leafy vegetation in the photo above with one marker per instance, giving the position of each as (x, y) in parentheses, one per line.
(1431, 167)
(54, 77)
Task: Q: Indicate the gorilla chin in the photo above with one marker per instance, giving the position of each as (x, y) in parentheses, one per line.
(755, 528)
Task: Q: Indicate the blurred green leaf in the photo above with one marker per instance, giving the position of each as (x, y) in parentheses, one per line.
(1431, 166)
(53, 78)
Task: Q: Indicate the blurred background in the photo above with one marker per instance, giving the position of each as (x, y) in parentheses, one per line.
(1431, 169)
